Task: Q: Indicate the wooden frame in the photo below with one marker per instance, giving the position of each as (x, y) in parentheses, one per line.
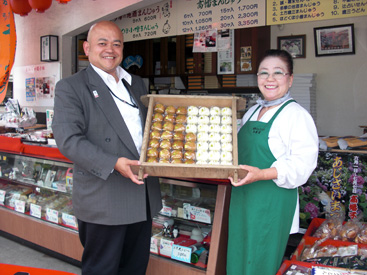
(295, 45)
(334, 40)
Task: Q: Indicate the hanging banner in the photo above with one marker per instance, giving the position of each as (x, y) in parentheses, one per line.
(178, 17)
(194, 15)
(338, 184)
(158, 20)
(284, 12)
(7, 45)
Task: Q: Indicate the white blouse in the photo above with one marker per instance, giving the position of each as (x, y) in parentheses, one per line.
(293, 140)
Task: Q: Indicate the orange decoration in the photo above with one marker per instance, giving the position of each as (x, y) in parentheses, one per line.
(40, 5)
(8, 40)
(63, 1)
(20, 7)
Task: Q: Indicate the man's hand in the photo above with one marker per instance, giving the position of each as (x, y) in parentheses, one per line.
(123, 167)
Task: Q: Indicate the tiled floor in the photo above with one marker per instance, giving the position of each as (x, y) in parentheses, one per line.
(16, 253)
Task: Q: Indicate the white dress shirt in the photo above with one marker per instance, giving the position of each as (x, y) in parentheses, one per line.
(130, 114)
(293, 140)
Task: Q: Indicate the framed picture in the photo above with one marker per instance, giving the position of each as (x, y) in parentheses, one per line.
(334, 40)
(49, 48)
(295, 45)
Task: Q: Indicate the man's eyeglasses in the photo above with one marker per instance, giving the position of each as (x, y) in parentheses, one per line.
(275, 75)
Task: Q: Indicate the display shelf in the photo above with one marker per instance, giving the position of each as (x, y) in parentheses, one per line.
(204, 195)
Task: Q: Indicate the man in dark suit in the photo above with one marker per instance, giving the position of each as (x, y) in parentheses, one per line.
(98, 124)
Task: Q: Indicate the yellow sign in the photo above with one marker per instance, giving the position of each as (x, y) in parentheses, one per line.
(297, 11)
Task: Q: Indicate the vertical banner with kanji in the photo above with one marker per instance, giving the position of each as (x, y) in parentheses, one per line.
(338, 184)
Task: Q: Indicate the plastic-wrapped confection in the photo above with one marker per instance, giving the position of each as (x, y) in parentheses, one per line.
(181, 110)
(179, 127)
(181, 119)
(226, 111)
(226, 129)
(189, 155)
(190, 137)
(214, 137)
(203, 120)
(190, 146)
(157, 126)
(153, 143)
(192, 111)
(155, 134)
(202, 156)
(152, 160)
(226, 138)
(178, 136)
(226, 120)
(214, 146)
(214, 128)
(177, 154)
(204, 111)
(178, 145)
(166, 135)
(165, 144)
(203, 128)
(214, 111)
(191, 128)
(226, 146)
(226, 156)
(164, 154)
(202, 136)
(170, 118)
(153, 152)
(215, 119)
(159, 108)
(157, 117)
(168, 126)
(192, 119)
(170, 110)
(202, 146)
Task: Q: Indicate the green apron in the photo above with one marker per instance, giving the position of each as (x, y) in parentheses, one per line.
(261, 213)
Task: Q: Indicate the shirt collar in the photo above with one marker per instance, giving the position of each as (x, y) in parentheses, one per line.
(121, 73)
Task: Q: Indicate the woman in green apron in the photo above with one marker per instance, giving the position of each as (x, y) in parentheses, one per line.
(278, 146)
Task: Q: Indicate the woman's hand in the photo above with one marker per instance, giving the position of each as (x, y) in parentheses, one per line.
(255, 174)
(123, 167)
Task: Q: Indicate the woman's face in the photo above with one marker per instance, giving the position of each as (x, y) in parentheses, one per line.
(270, 87)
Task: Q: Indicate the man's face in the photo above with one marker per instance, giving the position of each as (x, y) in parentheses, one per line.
(104, 46)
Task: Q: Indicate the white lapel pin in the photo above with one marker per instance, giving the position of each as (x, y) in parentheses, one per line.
(95, 94)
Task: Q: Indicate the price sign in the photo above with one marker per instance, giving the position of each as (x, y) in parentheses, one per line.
(320, 270)
(200, 214)
(283, 12)
(2, 196)
(68, 219)
(167, 211)
(181, 253)
(19, 206)
(35, 210)
(52, 215)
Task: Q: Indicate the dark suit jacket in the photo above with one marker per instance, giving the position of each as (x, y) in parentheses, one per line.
(90, 131)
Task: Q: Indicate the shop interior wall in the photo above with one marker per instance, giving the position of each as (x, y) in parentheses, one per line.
(341, 93)
(340, 81)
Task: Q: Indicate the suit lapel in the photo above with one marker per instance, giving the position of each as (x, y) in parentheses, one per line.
(104, 99)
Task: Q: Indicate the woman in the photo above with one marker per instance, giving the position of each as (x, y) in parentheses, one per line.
(278, 146)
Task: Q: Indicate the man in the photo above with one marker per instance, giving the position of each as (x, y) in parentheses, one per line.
(98, 124)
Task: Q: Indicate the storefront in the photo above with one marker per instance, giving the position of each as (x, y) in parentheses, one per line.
(162, 34)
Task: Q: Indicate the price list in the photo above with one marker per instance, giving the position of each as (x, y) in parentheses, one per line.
(157, 20)
(294, 11)
(195, 16)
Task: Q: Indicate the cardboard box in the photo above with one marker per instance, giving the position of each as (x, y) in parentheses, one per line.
(191, 170)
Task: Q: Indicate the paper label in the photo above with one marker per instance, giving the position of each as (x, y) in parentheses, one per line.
(200, 214)
(154, 245)
(167, 211)
(35, 210)
(2, 196)
(181, 253)
(166, 247)
(68, 219)
(52, 215)
(19, 206)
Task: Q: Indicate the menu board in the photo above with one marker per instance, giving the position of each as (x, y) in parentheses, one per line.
(295, 11)
(194, 15)
(157, 20)
(178, 17)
